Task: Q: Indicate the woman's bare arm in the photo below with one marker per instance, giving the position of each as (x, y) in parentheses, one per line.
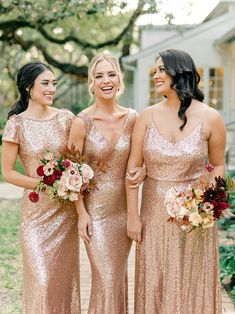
(135, 160)
(9, 156)
(76, 139)
(216, 143)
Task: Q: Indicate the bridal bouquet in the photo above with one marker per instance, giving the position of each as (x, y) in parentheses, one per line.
(199, 207)
(62, 178)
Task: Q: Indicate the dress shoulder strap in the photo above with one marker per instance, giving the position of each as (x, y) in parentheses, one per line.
(87, 120)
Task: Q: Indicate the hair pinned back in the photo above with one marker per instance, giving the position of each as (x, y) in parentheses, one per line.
(25, 81)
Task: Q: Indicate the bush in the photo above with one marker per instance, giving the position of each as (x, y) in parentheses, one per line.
(227, 268)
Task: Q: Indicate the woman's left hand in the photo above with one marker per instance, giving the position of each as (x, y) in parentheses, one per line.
(136, 176)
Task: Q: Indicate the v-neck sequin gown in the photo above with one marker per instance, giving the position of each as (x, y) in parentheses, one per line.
(175, 274)
(109, 248)
(48, 229)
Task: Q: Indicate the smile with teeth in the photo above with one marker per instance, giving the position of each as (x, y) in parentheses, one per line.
(159, 83)
(106, 88)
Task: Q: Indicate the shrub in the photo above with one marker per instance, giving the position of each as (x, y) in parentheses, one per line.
(227, 268)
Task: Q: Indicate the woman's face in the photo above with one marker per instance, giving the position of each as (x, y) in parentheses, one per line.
(106, 80)
(163, 80)
(44, 89)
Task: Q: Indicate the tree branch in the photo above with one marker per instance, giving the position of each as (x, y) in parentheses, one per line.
(13, 25)
(79, 71)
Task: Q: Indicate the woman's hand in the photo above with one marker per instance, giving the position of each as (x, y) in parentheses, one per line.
(134, 228)
(136, 176)
(84, 226)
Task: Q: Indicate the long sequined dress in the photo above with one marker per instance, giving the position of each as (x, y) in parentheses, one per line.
(109, 248)
(175, 273)
(48, 230)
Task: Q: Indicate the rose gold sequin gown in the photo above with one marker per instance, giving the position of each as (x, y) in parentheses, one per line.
(175, 274)
(109, 248)
(48, 229)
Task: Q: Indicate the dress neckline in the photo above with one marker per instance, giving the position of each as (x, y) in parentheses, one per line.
(38, 120)
(100, 132)
(198, 126)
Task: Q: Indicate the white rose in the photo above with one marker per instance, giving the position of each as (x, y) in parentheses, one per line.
(170, 198)
(87, 172)
(182, 211)
(73, 183)
(72, 178)
(73, 197)
(48, 169)
(170, 210)
(195, 219)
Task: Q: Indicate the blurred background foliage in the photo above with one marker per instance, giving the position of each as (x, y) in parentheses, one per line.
(66, 35)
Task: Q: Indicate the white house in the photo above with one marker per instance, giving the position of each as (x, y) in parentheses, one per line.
(212, 46)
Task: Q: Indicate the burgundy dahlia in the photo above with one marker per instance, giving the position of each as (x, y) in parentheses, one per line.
(57, 174)
(40, 171)
(65, 163)
(34, 197)
(49, 180)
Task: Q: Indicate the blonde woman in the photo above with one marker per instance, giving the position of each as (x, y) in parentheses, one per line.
(102, 133)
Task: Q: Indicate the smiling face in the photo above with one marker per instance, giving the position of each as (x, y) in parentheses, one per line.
(106, 80)
(44, 88)
(162, 79)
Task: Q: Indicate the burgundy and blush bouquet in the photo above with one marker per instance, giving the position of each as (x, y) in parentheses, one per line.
(62, 178)
(199, 207)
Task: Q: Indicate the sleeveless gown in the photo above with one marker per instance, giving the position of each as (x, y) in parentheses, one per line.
(175, 273)
(109, 247)
(48, 229)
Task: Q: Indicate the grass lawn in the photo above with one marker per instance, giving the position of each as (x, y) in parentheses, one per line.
(19, 166)
(10, 258)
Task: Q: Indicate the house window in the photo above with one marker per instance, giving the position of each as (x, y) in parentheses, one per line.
(216, 87)
(211, 84)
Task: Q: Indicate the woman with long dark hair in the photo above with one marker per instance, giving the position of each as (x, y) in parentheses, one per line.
(48, 229)
(174, 273)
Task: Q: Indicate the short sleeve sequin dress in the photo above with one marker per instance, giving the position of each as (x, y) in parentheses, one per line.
(48, 229)
(175, 273)
(109, 248)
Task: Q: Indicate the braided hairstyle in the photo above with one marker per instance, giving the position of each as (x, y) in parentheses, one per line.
(185, 78)
(25, 81)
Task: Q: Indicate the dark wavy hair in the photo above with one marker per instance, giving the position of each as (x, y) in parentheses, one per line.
(185, 78)
(26, 77)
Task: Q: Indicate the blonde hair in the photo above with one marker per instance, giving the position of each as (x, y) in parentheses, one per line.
(115, 63)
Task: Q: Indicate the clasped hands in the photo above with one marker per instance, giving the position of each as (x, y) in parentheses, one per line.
(135, 177)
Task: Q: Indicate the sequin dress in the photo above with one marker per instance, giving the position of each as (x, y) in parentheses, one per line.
(175, 273)
(48, 230)
(109, 248)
